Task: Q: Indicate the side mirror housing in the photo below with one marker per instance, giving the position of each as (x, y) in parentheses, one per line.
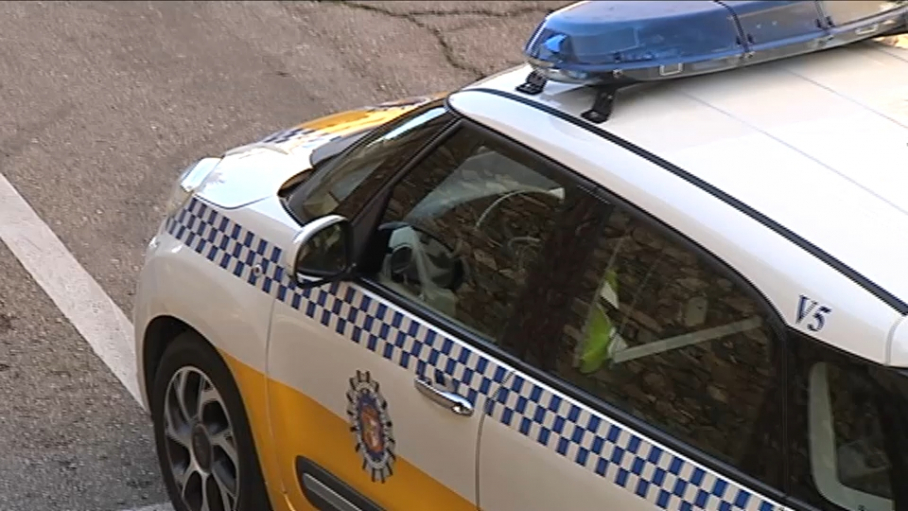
(322, 252)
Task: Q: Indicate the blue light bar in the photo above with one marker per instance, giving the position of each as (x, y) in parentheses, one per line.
(622, 42)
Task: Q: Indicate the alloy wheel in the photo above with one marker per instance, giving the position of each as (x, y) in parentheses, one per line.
(200, 443)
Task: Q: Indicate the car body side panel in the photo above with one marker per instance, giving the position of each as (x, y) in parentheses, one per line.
(177, 281)
(543, 450)
(232, 304)
(319, 339)
(312, 365)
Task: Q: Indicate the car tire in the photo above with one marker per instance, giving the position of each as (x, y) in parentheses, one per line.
(204, 444)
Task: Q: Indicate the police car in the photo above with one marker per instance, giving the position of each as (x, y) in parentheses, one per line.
(662, 265)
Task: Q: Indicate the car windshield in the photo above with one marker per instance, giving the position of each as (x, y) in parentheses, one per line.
(388, 147)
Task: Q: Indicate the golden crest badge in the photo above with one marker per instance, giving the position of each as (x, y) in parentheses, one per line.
(372, 429)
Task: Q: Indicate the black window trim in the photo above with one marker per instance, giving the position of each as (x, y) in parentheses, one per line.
(366, 220)
(776, 324)
(873, 288)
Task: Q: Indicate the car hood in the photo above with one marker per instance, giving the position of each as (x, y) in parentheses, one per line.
(252, 172)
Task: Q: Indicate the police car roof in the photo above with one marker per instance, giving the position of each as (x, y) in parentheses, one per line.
(814, 144)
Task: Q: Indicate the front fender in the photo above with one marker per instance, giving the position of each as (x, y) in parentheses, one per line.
(180, 283)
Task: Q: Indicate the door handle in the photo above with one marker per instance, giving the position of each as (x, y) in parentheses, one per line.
(454, 402)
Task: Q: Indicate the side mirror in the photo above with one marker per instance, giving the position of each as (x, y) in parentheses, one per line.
(322, 249)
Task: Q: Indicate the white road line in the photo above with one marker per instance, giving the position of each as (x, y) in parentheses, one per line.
(78, 296)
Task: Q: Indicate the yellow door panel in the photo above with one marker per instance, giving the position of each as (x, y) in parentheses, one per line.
(304, 426)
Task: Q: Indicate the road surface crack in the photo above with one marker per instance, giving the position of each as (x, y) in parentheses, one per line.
(448, 52)
(6, 322)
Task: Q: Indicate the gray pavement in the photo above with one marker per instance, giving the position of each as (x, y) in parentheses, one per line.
(102, 105)
(70, 436)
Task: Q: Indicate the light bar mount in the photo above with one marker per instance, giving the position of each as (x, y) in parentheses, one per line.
(534, 84)
(602, 106)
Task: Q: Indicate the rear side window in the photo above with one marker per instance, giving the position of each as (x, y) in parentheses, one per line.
(847, 431)
(848, 458)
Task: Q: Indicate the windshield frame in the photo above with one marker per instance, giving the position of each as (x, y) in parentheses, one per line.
(297, 198)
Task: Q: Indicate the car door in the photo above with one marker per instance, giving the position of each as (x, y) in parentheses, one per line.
(648, 377)
(454, 239)
(377, 384)
(346, 418)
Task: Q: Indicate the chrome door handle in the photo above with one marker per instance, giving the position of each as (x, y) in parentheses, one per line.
(456, 403)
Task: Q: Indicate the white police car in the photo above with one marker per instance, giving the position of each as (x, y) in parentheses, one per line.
(504, 298)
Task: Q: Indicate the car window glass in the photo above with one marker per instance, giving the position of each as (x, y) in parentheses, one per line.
(387, 150)
(843, 452)
(848, 459)
(663, 333)
(463, 227)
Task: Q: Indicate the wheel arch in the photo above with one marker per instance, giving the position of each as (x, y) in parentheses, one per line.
(160, 332)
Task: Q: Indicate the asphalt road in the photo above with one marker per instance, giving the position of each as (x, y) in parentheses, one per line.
(101, 105)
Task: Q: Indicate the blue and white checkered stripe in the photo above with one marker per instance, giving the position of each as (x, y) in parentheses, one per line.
(616, 453)
(348, 310)
(568, 428)
(225, 243)
(396, 336)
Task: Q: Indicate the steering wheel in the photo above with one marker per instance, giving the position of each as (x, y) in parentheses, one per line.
(514, 241)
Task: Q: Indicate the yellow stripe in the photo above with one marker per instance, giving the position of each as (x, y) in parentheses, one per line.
(352, 121)
(304, 427)
(254, 389)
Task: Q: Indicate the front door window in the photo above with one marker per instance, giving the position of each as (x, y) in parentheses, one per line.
(464, 227)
